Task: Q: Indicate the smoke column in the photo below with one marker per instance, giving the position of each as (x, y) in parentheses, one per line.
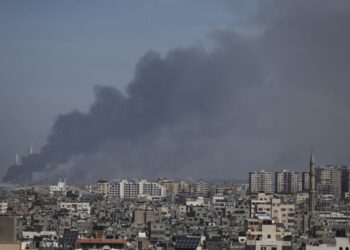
(256, 101)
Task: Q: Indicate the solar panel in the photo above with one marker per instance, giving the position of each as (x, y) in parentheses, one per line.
(187, 242)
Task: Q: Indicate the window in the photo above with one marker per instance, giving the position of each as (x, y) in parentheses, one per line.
(269, 236)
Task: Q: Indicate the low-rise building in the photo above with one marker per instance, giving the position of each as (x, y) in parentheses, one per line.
(266, 236)
(60, 187)
(81, 209)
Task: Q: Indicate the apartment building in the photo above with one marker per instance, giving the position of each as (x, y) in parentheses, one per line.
(286, 182)
(260, 181)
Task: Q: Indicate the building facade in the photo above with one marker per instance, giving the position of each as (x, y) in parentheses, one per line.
(305, 179)
(103, 187)
(60, 187)
(3, 207)
(329, 180)
(286, 182)
(260, 181)
(200, 188)
(134, 189)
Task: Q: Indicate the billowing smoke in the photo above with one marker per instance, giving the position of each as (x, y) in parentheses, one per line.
(260, 100)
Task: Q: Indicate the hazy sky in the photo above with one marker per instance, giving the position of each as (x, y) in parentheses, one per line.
(53, 53)
(200, 88)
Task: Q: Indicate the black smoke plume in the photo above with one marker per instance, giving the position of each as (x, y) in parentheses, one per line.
(261, 98)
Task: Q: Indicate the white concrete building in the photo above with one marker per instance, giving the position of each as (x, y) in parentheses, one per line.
(3, 207)
(135, 189)
(152, 189)
(60, 187)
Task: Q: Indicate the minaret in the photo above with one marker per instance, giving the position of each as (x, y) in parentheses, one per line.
(312, 191)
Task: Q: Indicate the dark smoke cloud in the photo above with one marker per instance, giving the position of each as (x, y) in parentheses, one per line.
(257, 101)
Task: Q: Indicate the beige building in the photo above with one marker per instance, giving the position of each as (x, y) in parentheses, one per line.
(329, 180)
(287, 182)
(260, 181)
(283, 213)
(266, 236)
(200, 188)
(103, 187)
(274, 209)
(143, 216)
(8, 233)
(172, 188)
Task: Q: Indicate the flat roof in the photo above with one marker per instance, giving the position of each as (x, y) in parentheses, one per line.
(99, 241)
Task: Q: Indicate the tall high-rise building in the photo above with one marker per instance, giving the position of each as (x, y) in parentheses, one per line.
(305, 179)
(345, 183)
(129, 189)
(201, 188)
(260, 181)
(286, 182)
(329, 180)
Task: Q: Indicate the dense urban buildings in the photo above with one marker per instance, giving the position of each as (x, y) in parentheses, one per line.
(291, 211)
(134, 189)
